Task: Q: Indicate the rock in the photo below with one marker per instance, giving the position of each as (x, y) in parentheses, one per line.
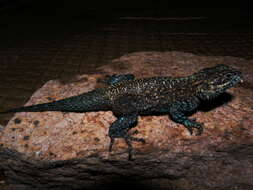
(55, 150)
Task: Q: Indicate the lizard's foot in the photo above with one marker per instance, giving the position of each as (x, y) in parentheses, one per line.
(129, 140)
(190, 124)
(179, 117)
(120, 128)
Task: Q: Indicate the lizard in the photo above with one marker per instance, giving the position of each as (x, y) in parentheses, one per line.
(128, 97)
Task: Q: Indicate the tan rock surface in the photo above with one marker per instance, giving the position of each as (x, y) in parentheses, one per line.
(78, 142)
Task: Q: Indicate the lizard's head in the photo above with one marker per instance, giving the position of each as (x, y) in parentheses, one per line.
(215, 80)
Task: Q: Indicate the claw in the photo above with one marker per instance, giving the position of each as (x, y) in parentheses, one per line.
(200, 129)
(190, 130)
(190, 124)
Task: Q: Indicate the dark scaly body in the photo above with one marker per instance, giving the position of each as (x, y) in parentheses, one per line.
(148, 95)
(127, 98)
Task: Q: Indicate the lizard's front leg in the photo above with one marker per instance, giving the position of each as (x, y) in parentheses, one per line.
(120, 128)
(180, 117)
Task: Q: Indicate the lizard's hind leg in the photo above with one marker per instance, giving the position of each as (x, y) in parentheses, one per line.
(120, 128)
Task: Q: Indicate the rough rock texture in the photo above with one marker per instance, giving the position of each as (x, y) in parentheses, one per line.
(70, 150)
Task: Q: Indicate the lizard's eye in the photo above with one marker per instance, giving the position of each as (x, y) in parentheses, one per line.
(228, 75)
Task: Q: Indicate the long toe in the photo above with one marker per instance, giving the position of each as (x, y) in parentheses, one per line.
(137, 139)
(200, 130)
(111, 144)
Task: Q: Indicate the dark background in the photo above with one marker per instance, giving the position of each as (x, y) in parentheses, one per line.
(214, 7)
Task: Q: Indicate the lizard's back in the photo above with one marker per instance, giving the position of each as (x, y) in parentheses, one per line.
(147, 94)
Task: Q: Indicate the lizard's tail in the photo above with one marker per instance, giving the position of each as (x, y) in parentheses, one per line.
(91, 101)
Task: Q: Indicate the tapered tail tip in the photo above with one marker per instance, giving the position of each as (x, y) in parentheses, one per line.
(5, 112)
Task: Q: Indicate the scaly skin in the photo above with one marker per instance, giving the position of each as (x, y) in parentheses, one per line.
(128, 98)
